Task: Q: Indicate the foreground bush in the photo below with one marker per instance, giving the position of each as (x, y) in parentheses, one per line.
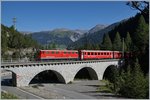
(131, 83)
(7, 96)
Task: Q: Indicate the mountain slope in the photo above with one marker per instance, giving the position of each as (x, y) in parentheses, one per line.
(59, 36)
(98, 27)
(94, 38)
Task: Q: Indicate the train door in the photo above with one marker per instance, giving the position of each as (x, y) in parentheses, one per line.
(81, 56)
(113, 55)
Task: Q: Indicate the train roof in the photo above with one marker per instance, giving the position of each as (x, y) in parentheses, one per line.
(62, 50)
(83, 50)
(98, 51)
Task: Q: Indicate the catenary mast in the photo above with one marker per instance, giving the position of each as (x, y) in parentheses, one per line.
(14, 22)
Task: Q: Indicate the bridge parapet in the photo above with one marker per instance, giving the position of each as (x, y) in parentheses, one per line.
(26, 64)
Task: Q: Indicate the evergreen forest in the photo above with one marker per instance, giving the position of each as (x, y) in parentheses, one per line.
(132, 79)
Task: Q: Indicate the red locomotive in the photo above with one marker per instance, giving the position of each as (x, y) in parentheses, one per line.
(81, 54)
(58, 54)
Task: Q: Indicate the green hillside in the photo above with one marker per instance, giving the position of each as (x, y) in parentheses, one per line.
(13, 41)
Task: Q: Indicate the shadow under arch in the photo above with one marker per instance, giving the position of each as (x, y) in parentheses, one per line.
(48, 76)
(9, 78)
(109, 72)
(86, 73)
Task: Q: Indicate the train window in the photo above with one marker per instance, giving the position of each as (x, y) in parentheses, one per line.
(92, 53)
(72, 52)
(76, 52)
(105, 53)
(52, 52)
(68, 52)
(64, 52)
(85, 53)
(88, 53)
(101, 53)
(57, 52)
(95, 53)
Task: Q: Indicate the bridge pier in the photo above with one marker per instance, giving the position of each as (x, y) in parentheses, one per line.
(14, 80)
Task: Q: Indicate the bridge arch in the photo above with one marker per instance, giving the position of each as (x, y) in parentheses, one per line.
(7, 70)
(49, 76)
(86, 73)
(109, 71)
(13, 81)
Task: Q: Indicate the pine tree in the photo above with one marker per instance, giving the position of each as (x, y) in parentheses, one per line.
(138, 82)
(125, 80)
(97, 47)
(135, 83)
(4, 42)
(125, 46)
(128, 42)
(117, 45)
(89, 46)
(147, 86)
(141, 37)
(106, 44)
(53, 46)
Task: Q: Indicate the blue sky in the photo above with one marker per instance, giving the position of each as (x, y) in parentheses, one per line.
(47, 15)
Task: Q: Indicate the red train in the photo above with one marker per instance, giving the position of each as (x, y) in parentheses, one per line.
(81, 54)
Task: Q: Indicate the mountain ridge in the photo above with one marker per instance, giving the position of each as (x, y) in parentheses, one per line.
(73, 38)
(95, 37)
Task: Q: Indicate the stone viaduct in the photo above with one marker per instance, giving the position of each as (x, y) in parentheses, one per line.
(23, 73)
